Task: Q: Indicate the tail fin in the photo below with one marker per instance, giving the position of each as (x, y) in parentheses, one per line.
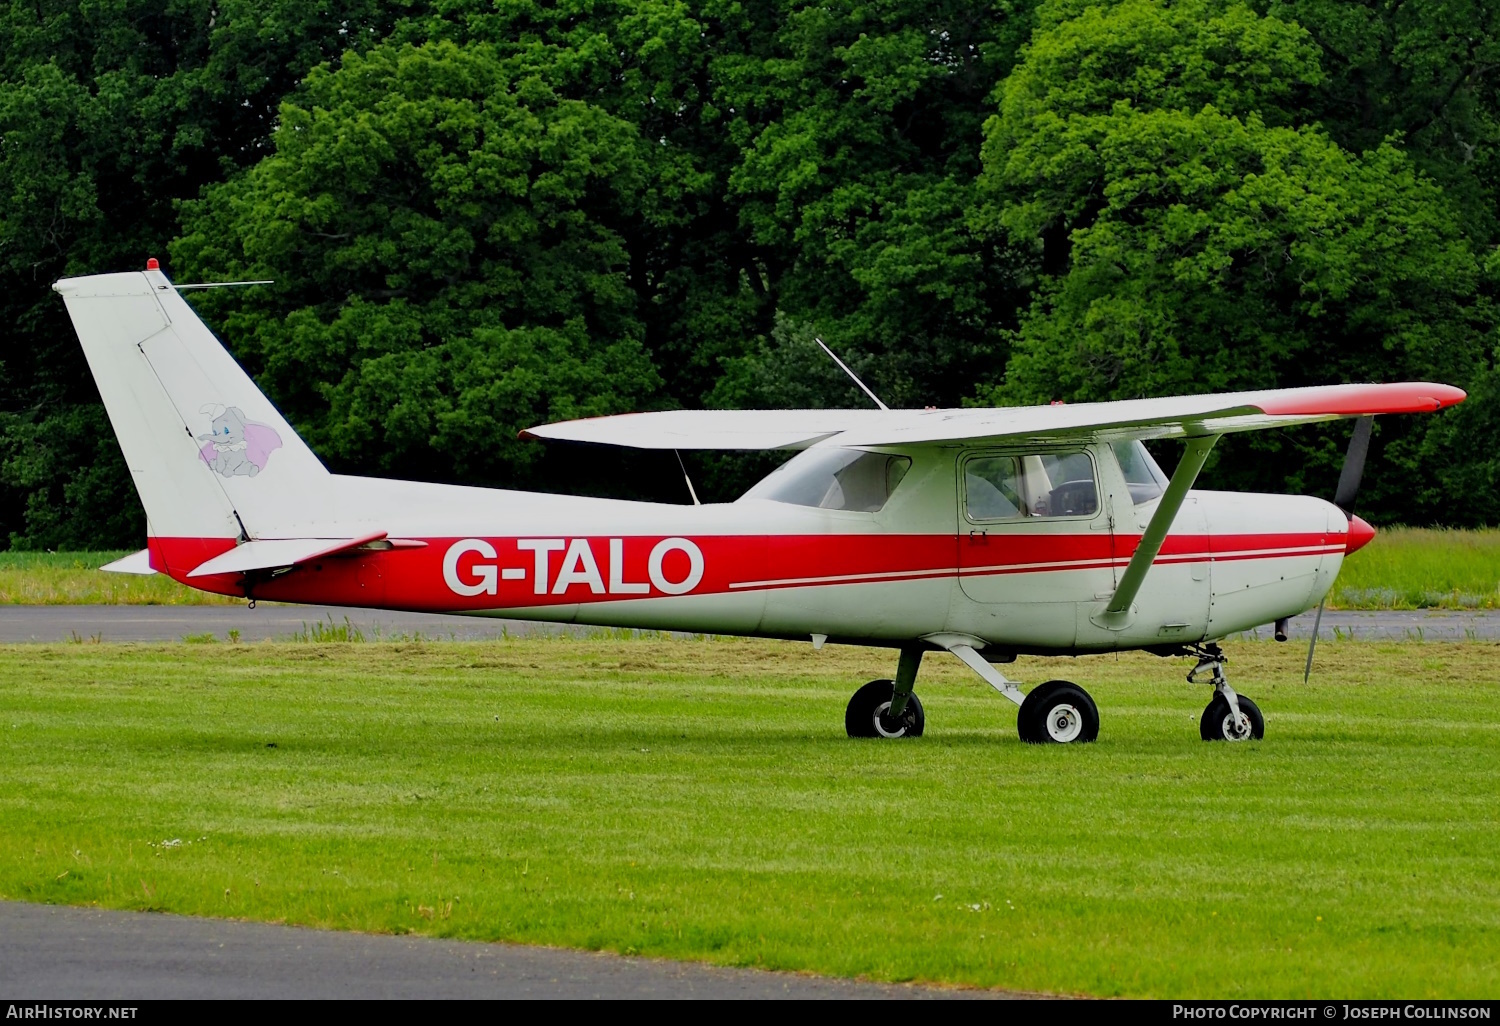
(209, 455)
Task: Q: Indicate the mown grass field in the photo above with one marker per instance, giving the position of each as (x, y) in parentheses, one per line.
(1422, 568)
(697, 799)
(73, 579)
(1403, 568)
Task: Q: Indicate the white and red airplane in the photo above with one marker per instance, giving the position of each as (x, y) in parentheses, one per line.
(987, 533)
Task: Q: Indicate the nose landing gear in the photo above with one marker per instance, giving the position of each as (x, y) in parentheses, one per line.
(1229, 717)
(1218, 722)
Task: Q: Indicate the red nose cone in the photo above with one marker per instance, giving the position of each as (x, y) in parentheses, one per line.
(1360, 534)
(152, 265)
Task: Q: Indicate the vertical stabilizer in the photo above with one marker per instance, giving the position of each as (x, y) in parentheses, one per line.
(209, 455)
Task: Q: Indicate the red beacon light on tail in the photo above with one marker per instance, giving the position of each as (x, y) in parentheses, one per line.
(152, 264)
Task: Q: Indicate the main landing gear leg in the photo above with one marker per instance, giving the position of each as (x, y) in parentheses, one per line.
(1057, 712)
(1229, 717)
(906, 680)
(885, 708)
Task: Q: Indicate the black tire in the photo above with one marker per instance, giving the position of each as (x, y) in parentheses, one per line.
(1215, 724)
(863, 717)
(1058, 712)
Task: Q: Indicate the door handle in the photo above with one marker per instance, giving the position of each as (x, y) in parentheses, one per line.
(979, 538)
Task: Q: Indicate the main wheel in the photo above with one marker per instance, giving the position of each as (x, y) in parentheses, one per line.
(1218, 724)
(1058, 712)
(868, 714)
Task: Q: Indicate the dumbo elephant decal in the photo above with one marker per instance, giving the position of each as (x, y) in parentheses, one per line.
(236, 447)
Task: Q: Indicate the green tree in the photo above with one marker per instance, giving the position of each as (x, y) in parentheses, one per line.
(648, 63)
(1189, 234)
(1427, 71)
(111, 112)
(450, 257)
(814, 162)
(858, 124)
(484, 215)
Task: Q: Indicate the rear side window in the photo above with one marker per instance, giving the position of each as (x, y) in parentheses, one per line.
(1050, 484)
(1142, 475)
(849, 479)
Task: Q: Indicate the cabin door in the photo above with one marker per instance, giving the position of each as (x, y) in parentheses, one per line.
(1034, 543)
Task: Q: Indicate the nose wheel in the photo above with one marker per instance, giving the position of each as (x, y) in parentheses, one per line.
(1229, 716)
(1219, 724)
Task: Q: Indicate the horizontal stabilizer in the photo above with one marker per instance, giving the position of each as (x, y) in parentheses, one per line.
(135, 563)
(274, 553)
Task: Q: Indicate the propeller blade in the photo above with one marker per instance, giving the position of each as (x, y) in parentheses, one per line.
(1354, 465)
(1313, 644)
(1343, 498)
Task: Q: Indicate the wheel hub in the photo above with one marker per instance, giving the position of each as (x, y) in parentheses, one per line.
(1064, 723)
(887, 727)
(1236, 731)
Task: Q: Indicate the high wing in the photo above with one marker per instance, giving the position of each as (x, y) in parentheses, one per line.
(1187, 416)
(716, 429)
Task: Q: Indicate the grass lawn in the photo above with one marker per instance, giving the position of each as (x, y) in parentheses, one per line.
(1422, 568)
(73, 579)
(697, 799)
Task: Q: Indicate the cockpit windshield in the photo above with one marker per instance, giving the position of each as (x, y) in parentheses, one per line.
(1144, 477)
(849, 479)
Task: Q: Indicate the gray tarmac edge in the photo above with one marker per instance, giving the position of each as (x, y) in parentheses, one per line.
(272, 622)
(58, 952)
(268, 621)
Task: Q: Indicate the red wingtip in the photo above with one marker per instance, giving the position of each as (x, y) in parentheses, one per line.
(1360, 534)
(152, 264)
(1360, 400)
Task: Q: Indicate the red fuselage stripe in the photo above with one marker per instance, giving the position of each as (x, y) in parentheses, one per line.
(474, 573)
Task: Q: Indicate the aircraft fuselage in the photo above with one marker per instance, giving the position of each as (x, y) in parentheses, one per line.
(916, 567)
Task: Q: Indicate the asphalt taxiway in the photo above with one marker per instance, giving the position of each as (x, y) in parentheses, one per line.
(50, 952)
(267, 621)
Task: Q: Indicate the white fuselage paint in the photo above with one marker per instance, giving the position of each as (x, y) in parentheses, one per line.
(1209, 590)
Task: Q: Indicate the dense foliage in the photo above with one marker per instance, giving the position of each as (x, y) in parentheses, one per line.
(481, 215)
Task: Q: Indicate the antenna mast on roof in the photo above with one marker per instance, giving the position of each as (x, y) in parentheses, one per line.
(853, 377)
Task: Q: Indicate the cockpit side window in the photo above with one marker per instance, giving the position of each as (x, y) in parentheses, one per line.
(847, 479)
(1051, 484)
(992, 487)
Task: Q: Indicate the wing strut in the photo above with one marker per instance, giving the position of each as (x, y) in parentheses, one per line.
(1115, 614)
